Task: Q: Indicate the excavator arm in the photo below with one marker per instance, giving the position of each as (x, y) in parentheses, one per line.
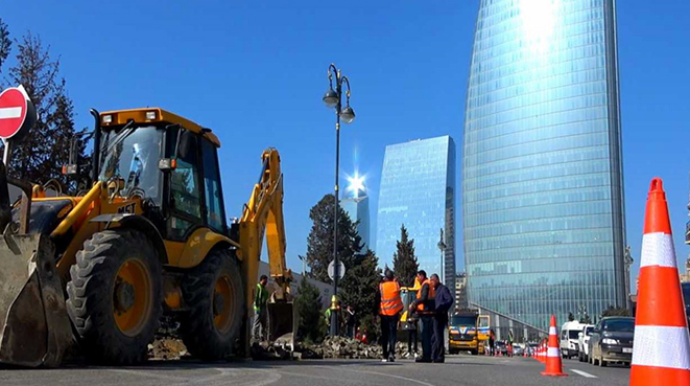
(263, 217)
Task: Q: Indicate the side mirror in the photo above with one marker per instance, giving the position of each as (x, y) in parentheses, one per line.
(580, 335)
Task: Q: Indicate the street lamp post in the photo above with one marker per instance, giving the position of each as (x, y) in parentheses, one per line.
(334, 99)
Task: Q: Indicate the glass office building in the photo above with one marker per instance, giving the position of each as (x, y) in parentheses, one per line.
(542, 176)
(358, 210)
(418, 190)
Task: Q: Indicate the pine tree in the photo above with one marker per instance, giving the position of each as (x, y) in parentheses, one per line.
(405, 263)
(312, 327)
(320, 241)
(358, 287)
(39, 157)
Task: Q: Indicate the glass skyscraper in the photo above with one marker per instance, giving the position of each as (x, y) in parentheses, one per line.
(418, 190)
(542, 176)
(358, 210)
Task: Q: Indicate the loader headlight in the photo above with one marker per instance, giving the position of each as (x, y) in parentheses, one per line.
(151, 115)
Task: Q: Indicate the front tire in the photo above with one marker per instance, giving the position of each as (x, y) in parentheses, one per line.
(214, 292)
(114, 297)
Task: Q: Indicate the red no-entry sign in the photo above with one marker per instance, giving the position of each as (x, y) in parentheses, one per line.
(17, 114)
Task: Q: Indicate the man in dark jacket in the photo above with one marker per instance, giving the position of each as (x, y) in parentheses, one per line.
(444, 301)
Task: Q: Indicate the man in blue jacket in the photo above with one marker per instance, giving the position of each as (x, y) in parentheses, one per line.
(444, 301)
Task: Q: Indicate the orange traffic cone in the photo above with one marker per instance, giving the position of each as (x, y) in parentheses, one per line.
(661, 348)
(541, 353)
(554, 367)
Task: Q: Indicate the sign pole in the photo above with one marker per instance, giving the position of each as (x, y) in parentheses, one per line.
(8, 152)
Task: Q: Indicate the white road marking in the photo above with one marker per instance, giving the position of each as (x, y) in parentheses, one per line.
(388, 375)
(267, 376)
(10, 112)
(583, 373)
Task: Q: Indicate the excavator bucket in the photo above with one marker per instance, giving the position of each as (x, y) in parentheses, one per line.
(281, 321)
(34, 325)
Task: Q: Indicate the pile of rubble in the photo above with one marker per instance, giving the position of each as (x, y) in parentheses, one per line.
(331, 348)
(167, 349)
(345, 348)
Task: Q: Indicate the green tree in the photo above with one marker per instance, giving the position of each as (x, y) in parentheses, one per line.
(312, 326)
(405, 262)
(320, 240)
(5, 43)
(39, 157)
(358, 287)
(585, 319)
(571, 317)
(616, 311)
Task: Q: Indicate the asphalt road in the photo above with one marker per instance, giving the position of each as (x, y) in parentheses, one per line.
(457, 371)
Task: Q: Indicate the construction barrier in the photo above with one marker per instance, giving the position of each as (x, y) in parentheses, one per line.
(661, 348)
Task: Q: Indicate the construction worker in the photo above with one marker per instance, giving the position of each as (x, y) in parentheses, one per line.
(350, 321)
(424, 306)
(410, 325)
(443, 303)
(391, 306)
(260, 313)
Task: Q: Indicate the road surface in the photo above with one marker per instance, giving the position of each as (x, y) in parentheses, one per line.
(457, 371)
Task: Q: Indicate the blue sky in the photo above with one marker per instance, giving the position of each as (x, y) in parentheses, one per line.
(255, 71)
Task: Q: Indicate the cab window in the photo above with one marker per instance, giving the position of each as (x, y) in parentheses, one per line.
(214, 198)
(184, 187)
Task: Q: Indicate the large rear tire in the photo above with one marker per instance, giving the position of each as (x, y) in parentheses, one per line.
(214, 292)
(114, 297)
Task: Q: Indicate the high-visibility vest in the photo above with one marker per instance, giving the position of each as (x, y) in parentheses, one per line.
(391, 303)
(261, 297)
(423, 308)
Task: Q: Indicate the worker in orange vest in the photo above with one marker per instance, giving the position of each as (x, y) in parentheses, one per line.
(391, 306)
(424, 306)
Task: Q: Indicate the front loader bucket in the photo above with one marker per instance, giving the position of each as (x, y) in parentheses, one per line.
(34, 325)
(282, 320)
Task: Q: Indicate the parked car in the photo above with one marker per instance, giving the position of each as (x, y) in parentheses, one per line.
(583, 343)
(612, 340)
(569, 336)
(518, 349)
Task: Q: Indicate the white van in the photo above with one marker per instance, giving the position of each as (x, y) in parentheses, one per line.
(569, 338)
(583, 343)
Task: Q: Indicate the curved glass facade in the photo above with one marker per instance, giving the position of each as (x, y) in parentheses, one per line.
(542, 181)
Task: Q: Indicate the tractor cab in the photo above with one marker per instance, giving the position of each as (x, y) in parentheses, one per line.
(168, 161)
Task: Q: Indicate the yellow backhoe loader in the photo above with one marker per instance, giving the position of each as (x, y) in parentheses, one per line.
(149, 239)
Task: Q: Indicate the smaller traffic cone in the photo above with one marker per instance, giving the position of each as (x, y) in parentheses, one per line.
(541, 353)
(554, 367)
